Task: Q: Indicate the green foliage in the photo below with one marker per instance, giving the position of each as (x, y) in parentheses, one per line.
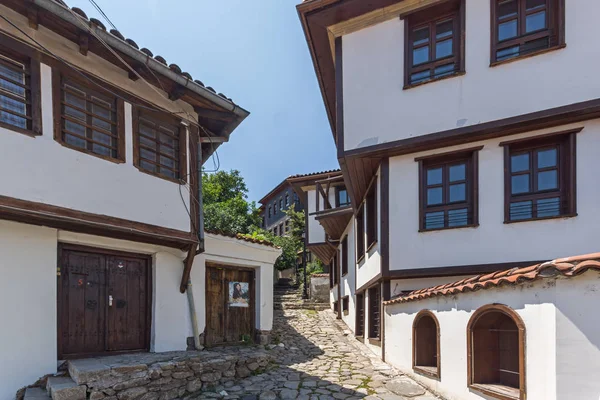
(315, 267)
(226, 207)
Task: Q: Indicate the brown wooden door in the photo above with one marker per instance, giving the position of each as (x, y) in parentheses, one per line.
(230, 305)
(103, 302)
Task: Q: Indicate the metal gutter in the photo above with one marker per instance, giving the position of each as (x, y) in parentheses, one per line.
(122, 46)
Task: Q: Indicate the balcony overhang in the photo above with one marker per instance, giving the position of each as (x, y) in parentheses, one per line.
(335, 220)
(324, 251)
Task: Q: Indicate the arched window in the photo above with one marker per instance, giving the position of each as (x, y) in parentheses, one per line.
(426, 344)
(496, 352)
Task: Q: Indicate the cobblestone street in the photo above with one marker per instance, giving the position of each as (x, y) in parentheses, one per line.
(316, 361)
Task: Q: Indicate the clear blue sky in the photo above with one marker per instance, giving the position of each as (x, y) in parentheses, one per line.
(253, 52)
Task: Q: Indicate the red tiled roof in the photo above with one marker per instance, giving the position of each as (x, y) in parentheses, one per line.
(567, 267)
(331, 171)
(245, 238)
(320, 275)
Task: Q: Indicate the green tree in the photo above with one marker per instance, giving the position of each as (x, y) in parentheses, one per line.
(226, 207)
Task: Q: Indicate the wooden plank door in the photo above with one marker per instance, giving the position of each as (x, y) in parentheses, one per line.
(82, 299)
(127, 317)
(230, 305)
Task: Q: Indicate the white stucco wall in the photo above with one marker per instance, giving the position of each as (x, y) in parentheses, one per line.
(316, 233)
(562, 348)
(28, 342)
(370, 265)
(55, 174)
(488, 243)
(348, 281)
(534, 305)
(378, 110)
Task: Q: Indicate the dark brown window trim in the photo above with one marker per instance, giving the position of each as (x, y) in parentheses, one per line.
(372, 219)
(375, 342)
(371, 246)
(487, 389)
(360, 233)
(57, 92)
(182, 156)
(555, 32)
(566, 144)
(431, 15)
(471, 157)
(346, 305)
(420, 369)
(22, 54)
(359, 323)
(344, 258)
(374, 302)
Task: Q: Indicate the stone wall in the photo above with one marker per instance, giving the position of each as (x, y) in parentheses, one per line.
(319, 288)
(164, 376)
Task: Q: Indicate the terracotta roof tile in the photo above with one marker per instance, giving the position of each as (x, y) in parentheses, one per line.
(566, 267)
(320, 275)
(245, 238)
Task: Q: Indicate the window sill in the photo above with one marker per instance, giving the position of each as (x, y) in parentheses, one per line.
(414, 85)
(177, 181)
(16, 129)
(535, 53)
(430, 372)
(565, 216)
(79, 149)
(375, 341)
(498, 391)
(346, 312)
(370, 247)
(471, 226)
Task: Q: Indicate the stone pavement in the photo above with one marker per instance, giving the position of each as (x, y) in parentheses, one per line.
(315, 360)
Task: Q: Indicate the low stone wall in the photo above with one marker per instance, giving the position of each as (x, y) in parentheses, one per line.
(164, 376)
(319, 288)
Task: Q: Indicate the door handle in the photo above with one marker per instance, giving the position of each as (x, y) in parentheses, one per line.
(110, 300)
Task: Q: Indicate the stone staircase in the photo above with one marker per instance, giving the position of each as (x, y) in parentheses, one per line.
(287, 296)
(57, 388)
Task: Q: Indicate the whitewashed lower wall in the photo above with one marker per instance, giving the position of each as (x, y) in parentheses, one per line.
(562, 339)
(28, 296)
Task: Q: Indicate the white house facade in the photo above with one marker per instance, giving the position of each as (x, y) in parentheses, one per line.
(465, 150)
(102, 246)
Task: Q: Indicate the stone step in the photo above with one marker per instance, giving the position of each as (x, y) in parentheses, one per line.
(64, 388)
(36, 394)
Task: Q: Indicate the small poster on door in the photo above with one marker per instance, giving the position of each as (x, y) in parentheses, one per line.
(239, 295)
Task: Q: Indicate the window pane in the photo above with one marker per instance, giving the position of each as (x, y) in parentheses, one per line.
(75, 141)
(147, 166)
(167, 162)
(75, 100)
(98, 149)
(167, 151)
(520, 184)
(535, 22)
(519, 162)
(443, 49)
(147, 154)
(420, 77)
(507, 30)
(444, 29)
(458, 192)
(444, 70)
(147, 142)
(168, 173)
(14, 75)
(458, 217)
(102, 124)
(535, 45)
(546, 158)
(434, 176)
(102, 138)
(13, 105)
(75, 128)
(507, 53)
(434, 196)
(13, 120)
(458, 172)
(521, 210)
(508, 8)
(420, 55)
(548, 207)
(75, 113)
(547, 180)
(434, 220)
(531, 4)
(101, 111)
(421, 36)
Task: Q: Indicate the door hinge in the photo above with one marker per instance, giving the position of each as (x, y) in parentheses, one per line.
(58, 271)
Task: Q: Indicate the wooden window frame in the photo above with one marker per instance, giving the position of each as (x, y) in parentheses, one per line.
(339, 189)
(12, 51)
(415, 339)
(336, 268)
(270, 211)
(360, 233)
(555, 31)
(157, 117)
(344, 258)
(287, 200)
(359, 327)
(565, 142)
(471, 158)
(58, 77)
(281, 231)
(346, 305)
(374, 337)
(429, 17)
(486, 388)
(372, 219)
